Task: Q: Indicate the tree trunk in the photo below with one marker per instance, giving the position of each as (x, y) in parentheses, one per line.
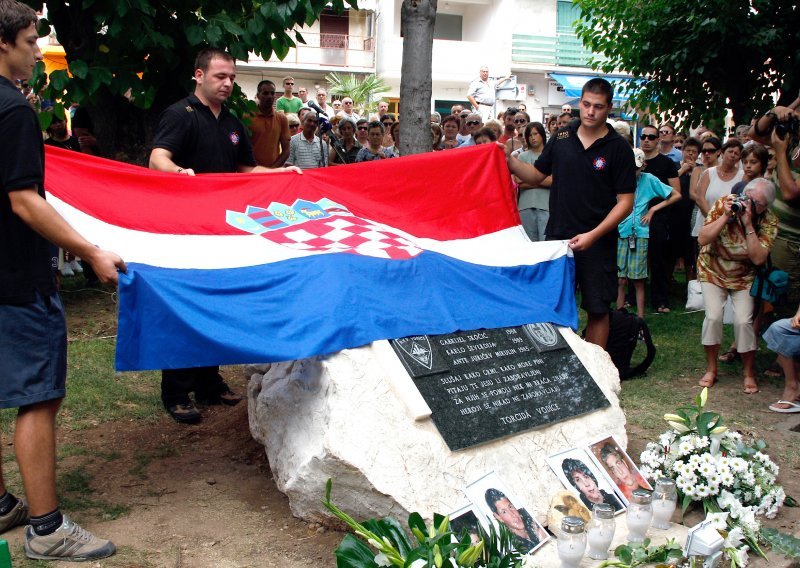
(417, 17)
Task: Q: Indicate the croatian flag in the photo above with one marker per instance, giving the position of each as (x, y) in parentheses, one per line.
(246, 268)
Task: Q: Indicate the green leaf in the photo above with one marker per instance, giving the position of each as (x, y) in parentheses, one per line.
(232, 27)
(194, 35)
(786, 544)
(354, 553)
(213, 34)
(59, 80)
(58, 110)
(79, 68)
(45, 118)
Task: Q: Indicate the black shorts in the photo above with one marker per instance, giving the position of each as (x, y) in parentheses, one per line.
(33, 352)
(596, 275)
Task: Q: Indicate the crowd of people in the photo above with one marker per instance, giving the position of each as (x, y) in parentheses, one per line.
(720, 210)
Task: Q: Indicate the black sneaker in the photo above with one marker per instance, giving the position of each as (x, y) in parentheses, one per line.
(226, 397)
(185, 413)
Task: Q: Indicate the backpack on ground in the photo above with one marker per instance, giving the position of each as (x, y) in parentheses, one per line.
(625, 330)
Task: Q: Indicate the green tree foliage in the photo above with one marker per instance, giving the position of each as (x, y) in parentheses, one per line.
(138, 54)
(364, 92)
(700, 57)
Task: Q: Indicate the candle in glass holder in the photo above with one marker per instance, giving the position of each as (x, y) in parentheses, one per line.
(665, 500)
(600, 531)
(640, 514)
(571, 542)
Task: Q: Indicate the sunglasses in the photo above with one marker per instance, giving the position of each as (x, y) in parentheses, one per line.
(362, 128)
(388, 123)
(665, 132)
(520, 121)
(348, 102)
(288, 83)
(709, 150)
(473, 122)
(648, 137)
(294, 126)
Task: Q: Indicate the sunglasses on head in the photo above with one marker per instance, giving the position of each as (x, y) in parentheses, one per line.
(473, 122)
(648, 137)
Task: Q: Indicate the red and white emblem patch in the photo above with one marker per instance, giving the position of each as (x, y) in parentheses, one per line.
(234, 136)
(599, 163)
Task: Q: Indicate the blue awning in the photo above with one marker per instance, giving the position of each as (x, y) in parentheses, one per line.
(573, 84)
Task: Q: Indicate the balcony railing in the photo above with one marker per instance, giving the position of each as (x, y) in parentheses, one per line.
(332, 50)
(563, 49)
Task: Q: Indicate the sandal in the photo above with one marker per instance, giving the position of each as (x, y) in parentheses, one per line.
(663, 310)
(708, 380)
(785, 406)
(750, 385)
(729, 356)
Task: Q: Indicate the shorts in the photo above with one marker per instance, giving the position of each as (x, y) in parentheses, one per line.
(783, 339)
(632, 263)
(33, 352)
(596, 274)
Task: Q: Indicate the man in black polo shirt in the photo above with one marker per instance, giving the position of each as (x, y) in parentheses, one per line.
(661, 262)
(198, 134)
(594, 178)
(33, 335)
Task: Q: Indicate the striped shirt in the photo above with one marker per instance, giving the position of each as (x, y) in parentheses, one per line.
(306, 154)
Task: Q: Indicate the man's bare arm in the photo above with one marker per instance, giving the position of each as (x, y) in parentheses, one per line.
(40, 216)
(161, 160)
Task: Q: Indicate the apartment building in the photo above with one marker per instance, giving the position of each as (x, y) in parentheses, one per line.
(531, 40)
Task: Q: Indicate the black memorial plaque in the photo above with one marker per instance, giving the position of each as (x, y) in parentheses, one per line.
(486, 384)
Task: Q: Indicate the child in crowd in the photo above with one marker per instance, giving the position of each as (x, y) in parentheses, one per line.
(634, 231)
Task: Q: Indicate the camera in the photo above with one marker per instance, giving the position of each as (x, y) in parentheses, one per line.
(739, 204)
(790, 126)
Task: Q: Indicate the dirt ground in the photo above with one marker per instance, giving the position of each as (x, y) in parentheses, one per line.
(202, 496)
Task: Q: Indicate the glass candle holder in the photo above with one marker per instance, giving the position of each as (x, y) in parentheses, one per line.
(665, 500)
(640, 513)
(600, 531)
(571, 542)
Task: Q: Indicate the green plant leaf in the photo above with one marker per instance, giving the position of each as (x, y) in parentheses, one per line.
(59, 80)
(786, 544)
(354, 553)
(79, 68)
(45, 119)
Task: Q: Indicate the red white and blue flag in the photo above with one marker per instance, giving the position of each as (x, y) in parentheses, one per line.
(243, 268)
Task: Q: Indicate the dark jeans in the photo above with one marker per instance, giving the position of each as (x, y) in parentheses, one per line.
(176, 384)
(660, 259)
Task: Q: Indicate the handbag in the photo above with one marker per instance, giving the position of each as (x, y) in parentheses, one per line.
(770, 283)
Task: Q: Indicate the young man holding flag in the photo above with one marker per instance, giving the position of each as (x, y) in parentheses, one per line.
(33, 343)
(594, 178)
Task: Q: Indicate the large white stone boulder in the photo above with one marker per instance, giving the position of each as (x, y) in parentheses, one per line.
(355, 417)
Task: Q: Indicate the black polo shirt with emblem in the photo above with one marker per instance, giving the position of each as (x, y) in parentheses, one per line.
(586, 181)
(27, 258)
(201, 141)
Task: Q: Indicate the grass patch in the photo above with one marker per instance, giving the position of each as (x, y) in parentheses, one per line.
(75, 494)
(142, 459)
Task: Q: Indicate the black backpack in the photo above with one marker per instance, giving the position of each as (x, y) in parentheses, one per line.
(625, 329)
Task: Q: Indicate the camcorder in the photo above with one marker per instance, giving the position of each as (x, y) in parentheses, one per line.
(740, 203)
(790, 126)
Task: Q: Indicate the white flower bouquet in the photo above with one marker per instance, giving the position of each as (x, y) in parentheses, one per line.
(715, 466)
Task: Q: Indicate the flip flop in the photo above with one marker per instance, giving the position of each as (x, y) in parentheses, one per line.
(793, 407)
(729, 356)
(663, 310)
(750, 386)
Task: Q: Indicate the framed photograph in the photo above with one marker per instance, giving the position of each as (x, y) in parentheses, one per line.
(465, 518)
(619, 467)
(578, 472)
(496, 503)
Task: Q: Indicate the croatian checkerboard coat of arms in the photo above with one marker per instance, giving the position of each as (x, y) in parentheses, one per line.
(322, 226)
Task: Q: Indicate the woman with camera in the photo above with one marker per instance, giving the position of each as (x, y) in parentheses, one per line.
(736, 237)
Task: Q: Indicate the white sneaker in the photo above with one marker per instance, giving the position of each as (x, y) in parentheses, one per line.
(66, 270)
(76, 266)
(69, 542)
